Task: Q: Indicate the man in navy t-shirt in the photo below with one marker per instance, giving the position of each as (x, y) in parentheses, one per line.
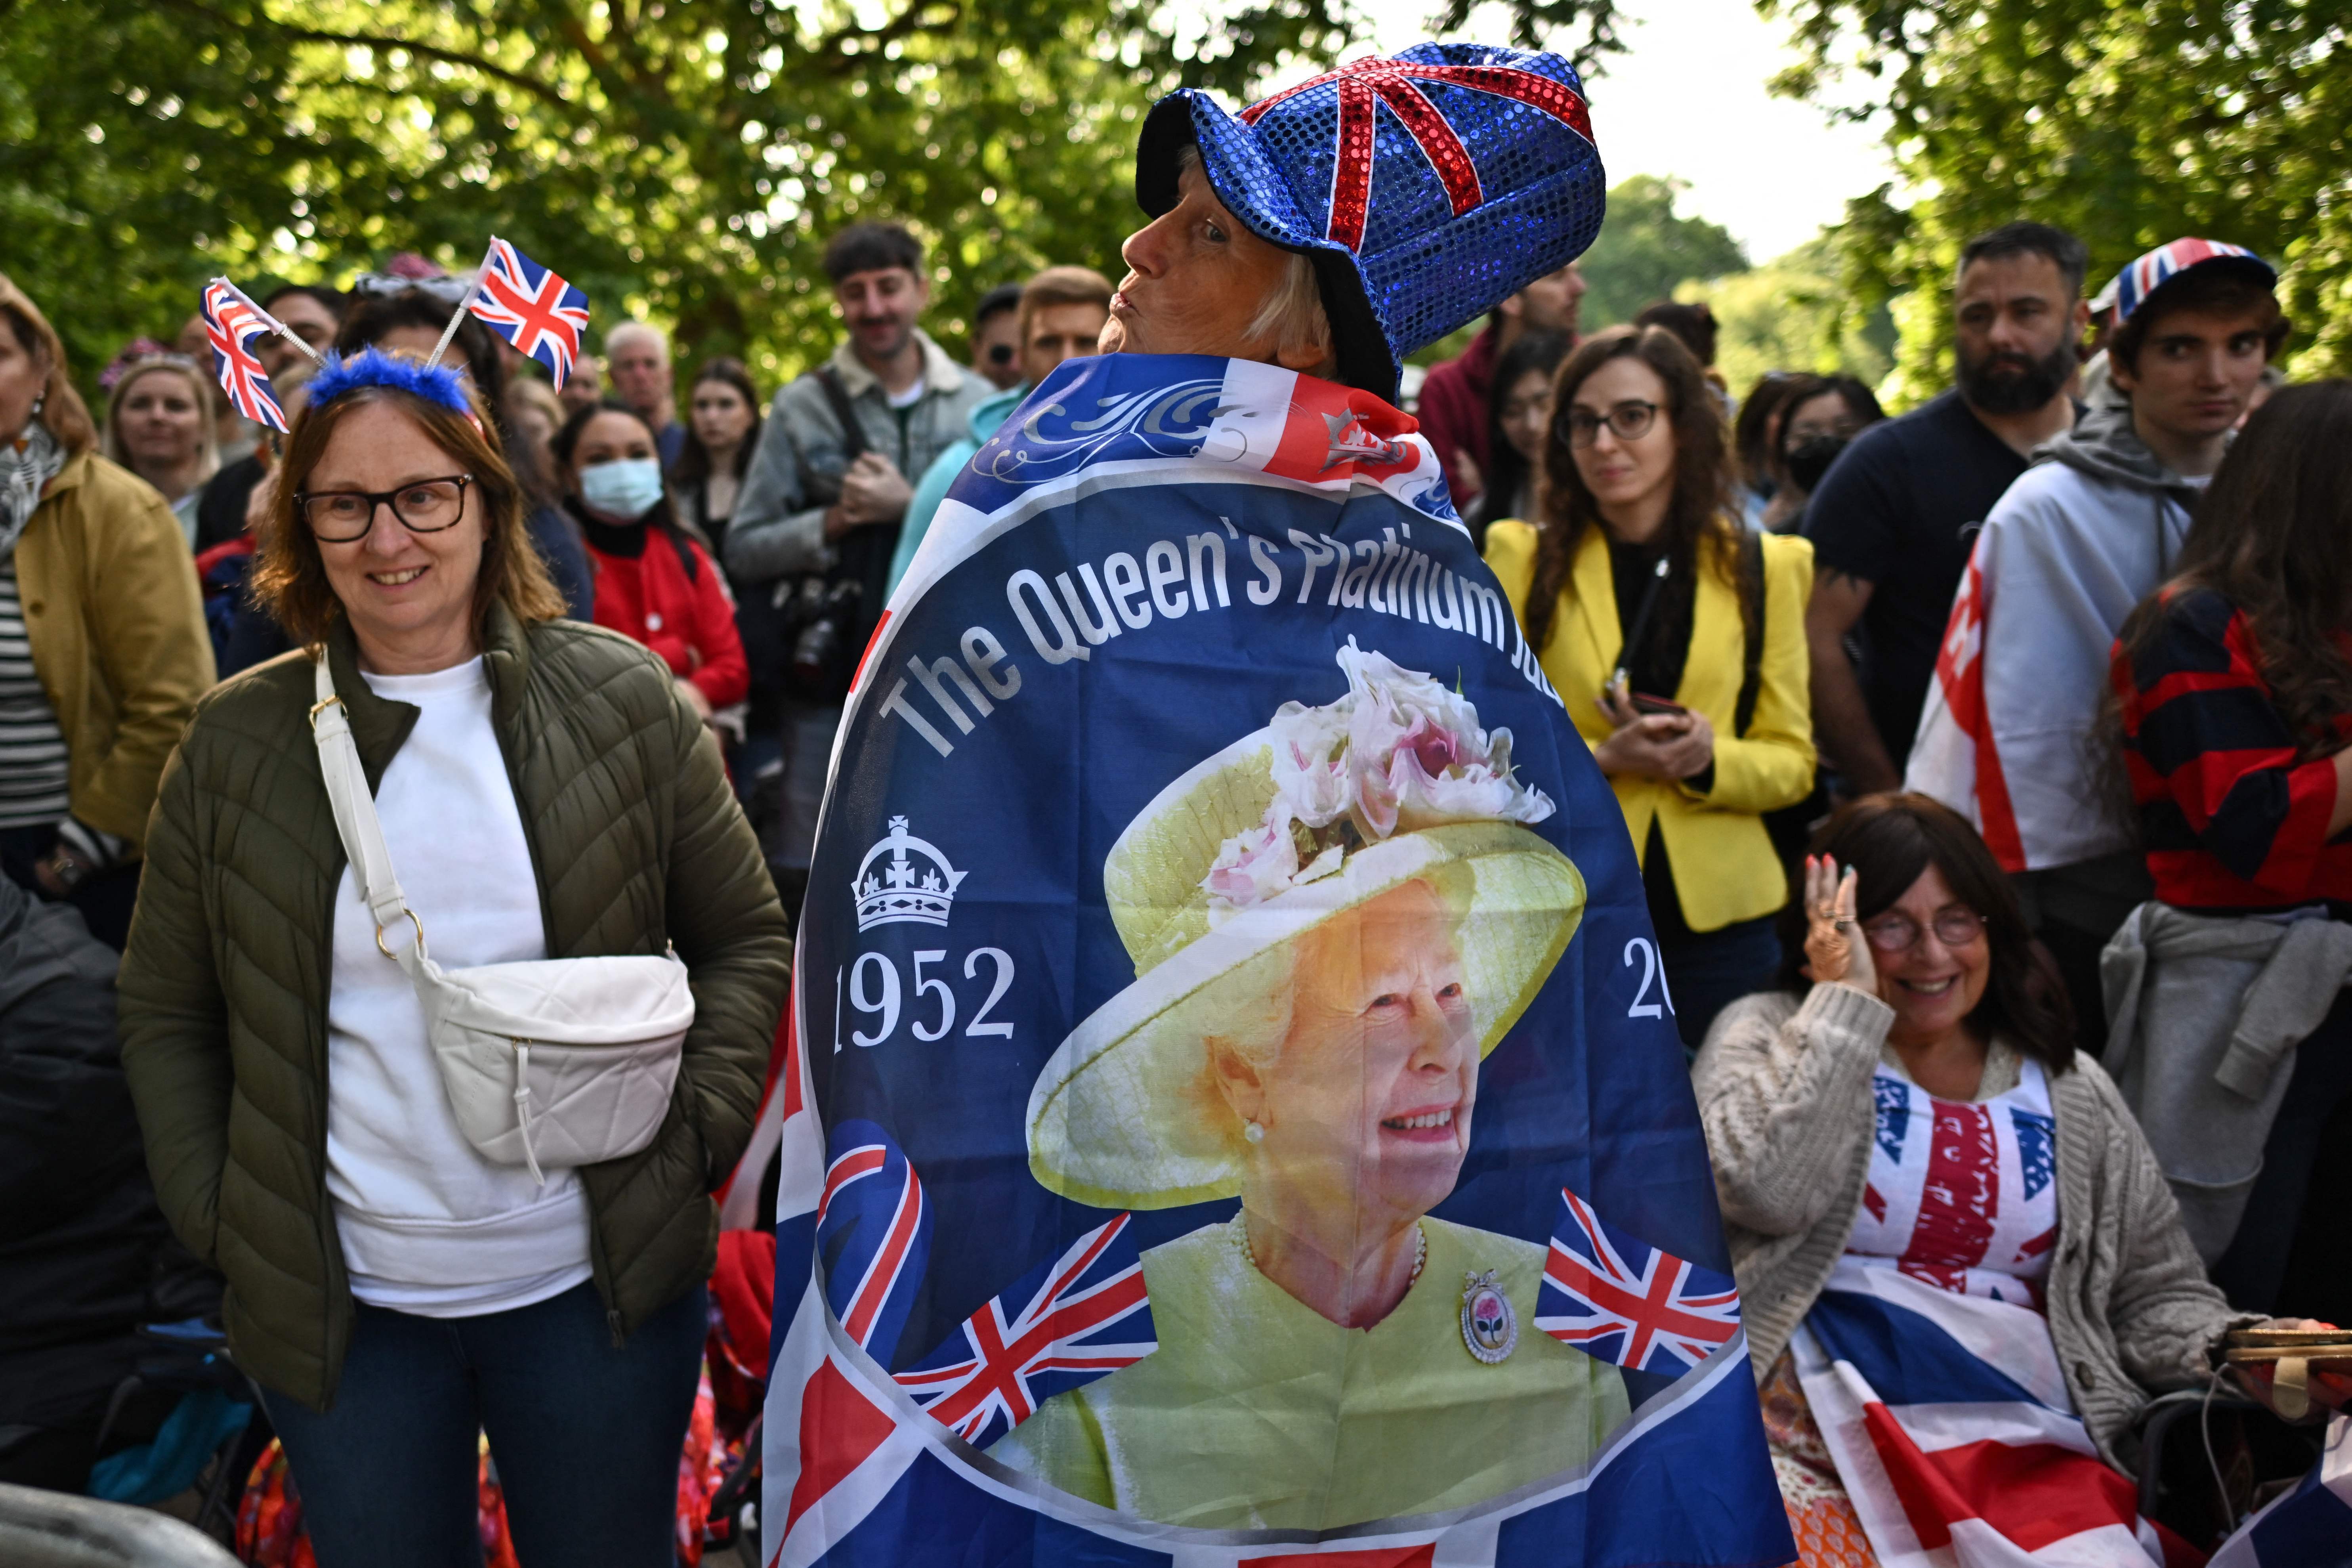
(1894, 519)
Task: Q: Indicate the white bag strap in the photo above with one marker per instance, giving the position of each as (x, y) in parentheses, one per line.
(356, 818)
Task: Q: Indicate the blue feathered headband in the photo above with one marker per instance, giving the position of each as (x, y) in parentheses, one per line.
(373, 367)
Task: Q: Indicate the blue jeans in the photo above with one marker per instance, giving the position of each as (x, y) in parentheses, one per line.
(585, 1436)
(1709, 971)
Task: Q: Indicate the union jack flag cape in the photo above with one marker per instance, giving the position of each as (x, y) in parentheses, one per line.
(537, 311)
(231, 323)
(1150, 557)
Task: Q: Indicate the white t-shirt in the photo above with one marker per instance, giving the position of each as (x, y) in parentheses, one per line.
(428, 1225)
(908, 398)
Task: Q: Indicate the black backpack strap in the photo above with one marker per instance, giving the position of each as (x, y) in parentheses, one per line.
(854, 444)
(1751, 669)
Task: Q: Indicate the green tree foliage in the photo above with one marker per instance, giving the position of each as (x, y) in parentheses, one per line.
(682, 159)
(1647, 251)
(1791, 314)
(2129, 124)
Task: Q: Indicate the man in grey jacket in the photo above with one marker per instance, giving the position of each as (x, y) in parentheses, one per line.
(822, 504)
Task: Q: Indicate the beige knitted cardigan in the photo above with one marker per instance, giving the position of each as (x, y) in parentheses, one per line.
(1784, 1094)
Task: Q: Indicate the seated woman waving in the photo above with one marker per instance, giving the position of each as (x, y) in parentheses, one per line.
(1933, 1201)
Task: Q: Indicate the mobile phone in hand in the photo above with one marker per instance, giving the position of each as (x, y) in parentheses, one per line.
(1645, 704)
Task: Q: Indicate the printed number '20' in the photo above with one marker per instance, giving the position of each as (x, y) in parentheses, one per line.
(1651, 970)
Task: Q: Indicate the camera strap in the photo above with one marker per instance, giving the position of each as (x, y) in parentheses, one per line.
(854, 444)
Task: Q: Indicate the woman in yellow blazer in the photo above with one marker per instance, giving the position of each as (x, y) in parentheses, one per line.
(1652, 611)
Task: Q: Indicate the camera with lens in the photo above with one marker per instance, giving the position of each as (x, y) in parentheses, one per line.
(817, 613)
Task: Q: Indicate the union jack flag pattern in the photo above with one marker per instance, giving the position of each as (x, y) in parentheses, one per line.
(1623, 1300)
(874, 1233)
(1078, 1317)
(231, 322)
(532, 308)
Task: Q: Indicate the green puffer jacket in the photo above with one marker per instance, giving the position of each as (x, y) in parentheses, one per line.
(637, 841)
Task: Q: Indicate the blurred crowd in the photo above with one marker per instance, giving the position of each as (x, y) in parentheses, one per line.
(2026, 712)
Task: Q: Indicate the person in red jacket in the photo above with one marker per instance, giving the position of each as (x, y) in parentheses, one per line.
(652, 582)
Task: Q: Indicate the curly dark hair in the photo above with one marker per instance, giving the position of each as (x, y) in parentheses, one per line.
(1702, 499)
(1888, 840)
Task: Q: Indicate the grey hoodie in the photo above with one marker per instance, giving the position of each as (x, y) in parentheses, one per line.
(2077, 540)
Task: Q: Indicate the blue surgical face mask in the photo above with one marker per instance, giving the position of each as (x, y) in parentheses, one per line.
(625, 487)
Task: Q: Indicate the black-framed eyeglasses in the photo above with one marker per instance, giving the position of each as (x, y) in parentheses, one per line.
(1955, 927)
(1628, 421)
(421, 506)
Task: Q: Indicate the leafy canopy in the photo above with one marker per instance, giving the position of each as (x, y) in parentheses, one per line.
(2128, 124)
(683, 159)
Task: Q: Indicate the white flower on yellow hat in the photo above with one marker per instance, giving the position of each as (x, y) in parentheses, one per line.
(1398, 752)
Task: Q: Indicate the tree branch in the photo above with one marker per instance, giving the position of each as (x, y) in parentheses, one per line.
(378, 41)
(906, 24)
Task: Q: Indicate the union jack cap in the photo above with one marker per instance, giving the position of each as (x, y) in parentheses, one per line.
(1427, 186)
(2144, 276)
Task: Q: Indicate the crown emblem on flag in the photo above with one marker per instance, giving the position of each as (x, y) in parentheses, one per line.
(912, 882)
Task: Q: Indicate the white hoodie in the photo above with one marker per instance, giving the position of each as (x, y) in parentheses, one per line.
(2007, 737)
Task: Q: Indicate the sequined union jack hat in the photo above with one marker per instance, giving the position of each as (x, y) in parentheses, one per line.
(1427, 186)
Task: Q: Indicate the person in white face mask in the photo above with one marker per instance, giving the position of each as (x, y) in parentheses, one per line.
(654, 583)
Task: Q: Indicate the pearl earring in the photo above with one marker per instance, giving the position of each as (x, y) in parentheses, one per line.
(1254, 1133)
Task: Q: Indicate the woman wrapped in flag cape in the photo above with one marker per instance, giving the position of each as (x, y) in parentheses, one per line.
(1964, 1274)
(1270, 919)
(1321, 966)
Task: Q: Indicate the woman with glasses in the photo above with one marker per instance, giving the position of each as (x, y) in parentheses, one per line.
(1902, 1125)
(1677, 639)
(545, 791)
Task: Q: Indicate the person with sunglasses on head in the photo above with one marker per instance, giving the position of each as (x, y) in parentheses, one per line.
(544, 791)
(1677, 639)
(1901, 1126)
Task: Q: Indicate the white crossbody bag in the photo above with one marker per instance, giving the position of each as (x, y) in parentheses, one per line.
(547, 1063)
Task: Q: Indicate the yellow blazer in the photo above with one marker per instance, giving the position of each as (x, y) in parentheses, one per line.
(1725, 869)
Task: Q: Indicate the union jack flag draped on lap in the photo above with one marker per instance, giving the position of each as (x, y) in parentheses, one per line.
(1079, 1316)
(1660, 1313)
(537, 311)
(231, 322)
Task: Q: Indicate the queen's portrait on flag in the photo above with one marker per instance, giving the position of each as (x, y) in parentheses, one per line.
(1333, 921)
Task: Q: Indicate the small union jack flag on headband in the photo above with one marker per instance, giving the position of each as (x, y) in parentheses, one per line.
(873, 1236)
(532, 308)
(1622, 1300)
(231, 322)
(1077, 1317)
